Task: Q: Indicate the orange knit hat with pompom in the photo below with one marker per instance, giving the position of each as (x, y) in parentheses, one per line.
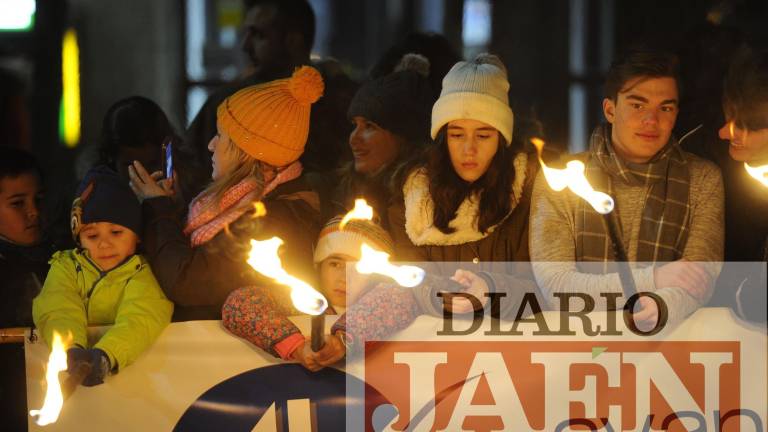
(270, 121)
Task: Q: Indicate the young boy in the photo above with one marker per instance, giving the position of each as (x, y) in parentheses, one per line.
(23, 254)
(23, 263)
(102, 282)
(259, 314)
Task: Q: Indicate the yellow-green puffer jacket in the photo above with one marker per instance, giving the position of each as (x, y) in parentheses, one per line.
(77, 294)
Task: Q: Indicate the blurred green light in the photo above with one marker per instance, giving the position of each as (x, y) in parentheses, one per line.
(17, 15)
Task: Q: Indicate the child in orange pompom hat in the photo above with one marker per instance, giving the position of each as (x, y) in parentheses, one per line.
(262, 131)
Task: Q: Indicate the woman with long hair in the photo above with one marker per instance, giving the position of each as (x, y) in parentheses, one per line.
(262, 131)
(390, 118)
(469, 200)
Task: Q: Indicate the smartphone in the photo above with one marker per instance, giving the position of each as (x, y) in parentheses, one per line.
(168, 159)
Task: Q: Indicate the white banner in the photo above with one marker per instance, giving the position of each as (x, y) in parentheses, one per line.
(199, 377)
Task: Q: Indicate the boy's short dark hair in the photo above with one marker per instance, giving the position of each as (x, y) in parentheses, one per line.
(640, 61)
(745, 91)
(15, 162)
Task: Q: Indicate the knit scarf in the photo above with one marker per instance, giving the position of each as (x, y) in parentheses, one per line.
(664, 226)
(419, 210)
(206, 220)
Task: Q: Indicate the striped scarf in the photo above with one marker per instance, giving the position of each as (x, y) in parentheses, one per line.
(205, 220)
(664, 225)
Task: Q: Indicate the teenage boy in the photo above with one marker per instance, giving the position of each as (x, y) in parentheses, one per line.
(668, 203)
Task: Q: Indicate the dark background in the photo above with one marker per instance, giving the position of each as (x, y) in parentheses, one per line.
(556, 52)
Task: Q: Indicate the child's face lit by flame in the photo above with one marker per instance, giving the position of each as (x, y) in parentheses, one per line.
(333, 280)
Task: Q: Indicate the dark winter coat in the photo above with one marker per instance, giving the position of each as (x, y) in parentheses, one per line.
(199, 279)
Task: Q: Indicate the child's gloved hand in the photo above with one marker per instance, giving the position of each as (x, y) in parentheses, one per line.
(96, 358)
(333, 350)
(304, 355)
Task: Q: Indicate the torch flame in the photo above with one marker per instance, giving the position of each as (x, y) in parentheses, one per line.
(574, 179)
(373, 261)
(54, 399)
(259, 210)
(760, 173)
(361, 211)
(264, 259)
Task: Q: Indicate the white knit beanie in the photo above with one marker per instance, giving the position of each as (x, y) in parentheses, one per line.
(476, 90)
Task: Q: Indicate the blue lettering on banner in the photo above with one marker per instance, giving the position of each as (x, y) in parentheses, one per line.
(284, 397)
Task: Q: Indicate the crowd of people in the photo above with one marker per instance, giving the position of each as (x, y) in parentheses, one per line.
(434, 150)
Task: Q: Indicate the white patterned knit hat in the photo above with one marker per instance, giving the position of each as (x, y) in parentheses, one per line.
(334, 240)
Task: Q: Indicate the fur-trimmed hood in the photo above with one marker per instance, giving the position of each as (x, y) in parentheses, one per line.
(419, 210)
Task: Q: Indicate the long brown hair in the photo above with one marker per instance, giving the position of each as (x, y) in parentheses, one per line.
(448, 190)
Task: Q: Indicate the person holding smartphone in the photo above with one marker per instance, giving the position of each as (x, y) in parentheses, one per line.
(262, 131)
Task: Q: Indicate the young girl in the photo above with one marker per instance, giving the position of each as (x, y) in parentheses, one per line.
(262, 132)
(469, 200)
(259, 314)
(103, 281)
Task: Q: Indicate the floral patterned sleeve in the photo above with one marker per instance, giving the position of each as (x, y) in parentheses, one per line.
(383, 311)
(260, 316)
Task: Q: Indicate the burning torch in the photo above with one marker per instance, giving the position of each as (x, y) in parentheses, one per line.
(374, 261)
(573, 178)
(54, 397)
(57, 392)
(265, 260)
